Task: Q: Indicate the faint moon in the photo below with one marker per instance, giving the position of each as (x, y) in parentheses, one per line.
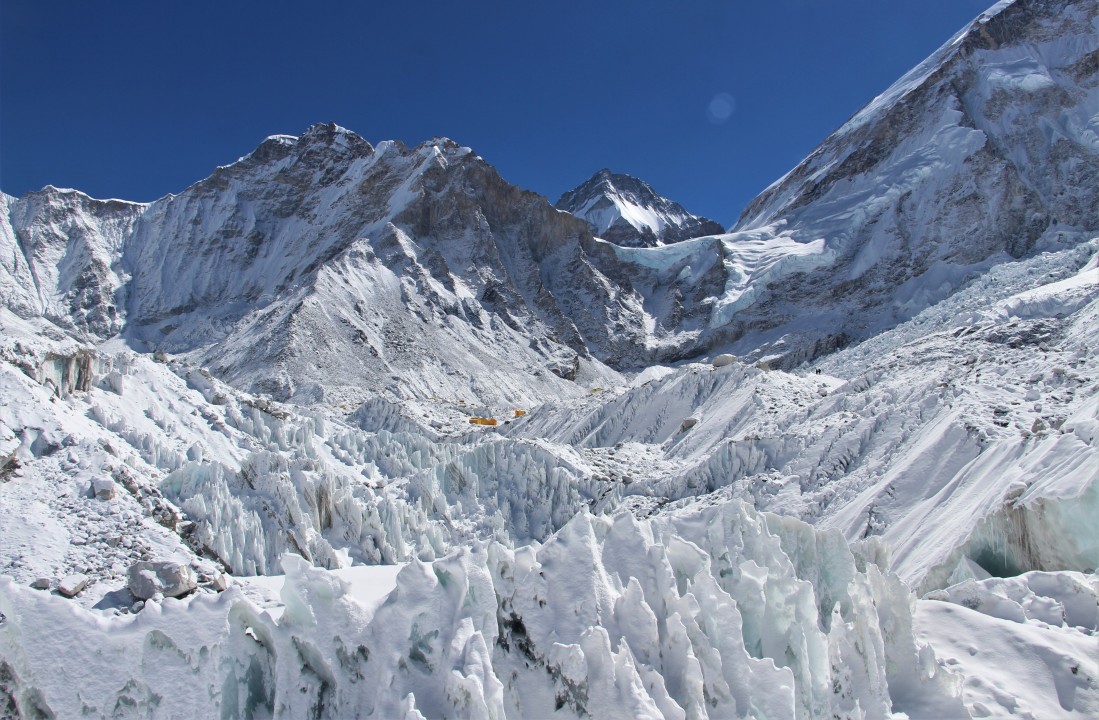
(722, 106)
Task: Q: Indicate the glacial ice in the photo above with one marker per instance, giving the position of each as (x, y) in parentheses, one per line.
(710, 612)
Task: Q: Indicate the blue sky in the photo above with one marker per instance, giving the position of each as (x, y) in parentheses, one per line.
(707, 100)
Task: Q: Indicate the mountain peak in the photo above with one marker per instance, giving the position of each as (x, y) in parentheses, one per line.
(331, 135)
(627, 211)
(327, 138)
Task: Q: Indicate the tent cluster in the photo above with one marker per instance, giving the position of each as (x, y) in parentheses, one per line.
(493, 421)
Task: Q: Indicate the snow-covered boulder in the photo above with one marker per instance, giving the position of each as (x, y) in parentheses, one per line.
(104, 489)
(72, 585)
(170, 579)
(724, 359)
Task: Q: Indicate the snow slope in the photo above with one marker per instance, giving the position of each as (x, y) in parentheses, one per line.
(1044, 623)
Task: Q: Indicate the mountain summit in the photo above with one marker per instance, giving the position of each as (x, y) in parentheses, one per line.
(628, 212)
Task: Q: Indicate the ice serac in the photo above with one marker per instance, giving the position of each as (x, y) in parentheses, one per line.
(963, 437)
(711, 613)
(628, 212)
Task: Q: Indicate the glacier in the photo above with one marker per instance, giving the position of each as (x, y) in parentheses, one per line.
(714, 612)
(433, 447)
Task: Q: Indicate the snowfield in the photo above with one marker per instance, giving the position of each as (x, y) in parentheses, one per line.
(364, 431)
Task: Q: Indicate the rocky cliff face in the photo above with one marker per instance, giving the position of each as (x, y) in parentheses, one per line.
(418, 271)
(628, 212)
(59, 258)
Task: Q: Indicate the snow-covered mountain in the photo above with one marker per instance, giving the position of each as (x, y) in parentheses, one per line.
(628, 212)
(255, 398)
(986, 151)
(320, 266)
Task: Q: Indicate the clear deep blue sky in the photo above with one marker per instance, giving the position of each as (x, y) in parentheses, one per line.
(707, 100)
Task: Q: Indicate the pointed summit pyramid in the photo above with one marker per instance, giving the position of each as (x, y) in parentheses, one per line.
(627, 211)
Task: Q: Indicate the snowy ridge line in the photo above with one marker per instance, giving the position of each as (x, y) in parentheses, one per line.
(481, 633)
(920, 74)
(908, 83)
(47, 189)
